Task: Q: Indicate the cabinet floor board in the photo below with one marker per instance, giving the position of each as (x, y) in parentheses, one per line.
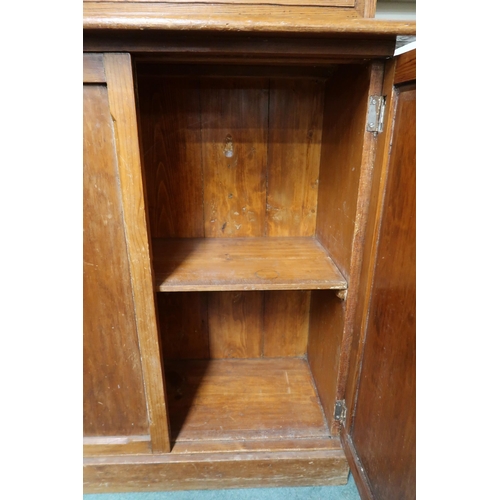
(251, 399)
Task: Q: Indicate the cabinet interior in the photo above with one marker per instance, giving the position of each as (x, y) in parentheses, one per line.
(252, 179)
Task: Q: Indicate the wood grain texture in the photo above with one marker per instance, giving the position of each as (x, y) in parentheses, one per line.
(380, 168)
(122, 108)
(236, 18)
(384, 433)
(93, 69)
(324, 3)
(295, 125)
(244, 399)
(153, 65)
(225, 264)
(234, 152)
(114, 401)
(356, 468)
(116, 445)
(241, 324)
(256, 445)
(341, 156)
(346, 171)
(327, 313)
(345, 146)
(406, 67)
(183, 325)
(236, 324)
(240, 48)
(362, 211)
(286, 323)
(171, 140)
(369, 8)
(215, 471)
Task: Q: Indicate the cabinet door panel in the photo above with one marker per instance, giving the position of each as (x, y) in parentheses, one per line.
(124, 397)
(114, 401)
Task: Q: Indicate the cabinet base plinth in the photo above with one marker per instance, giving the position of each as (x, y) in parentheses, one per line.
(214, 471)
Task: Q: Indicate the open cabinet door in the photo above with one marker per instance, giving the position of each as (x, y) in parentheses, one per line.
(379, 434)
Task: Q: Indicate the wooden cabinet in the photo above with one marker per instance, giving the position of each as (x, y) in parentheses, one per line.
(239, 197)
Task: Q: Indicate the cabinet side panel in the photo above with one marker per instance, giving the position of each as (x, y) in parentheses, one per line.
(369, 250)
(171, 140)
(323, 349)
(347, 158)
(234, 144)
(384, 424)
(295, 125)
(114, 401)
(346, 97)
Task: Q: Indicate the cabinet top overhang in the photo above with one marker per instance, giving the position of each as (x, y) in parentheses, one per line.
(238, 18)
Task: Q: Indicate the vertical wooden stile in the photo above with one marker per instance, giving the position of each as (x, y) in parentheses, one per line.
(122, 107)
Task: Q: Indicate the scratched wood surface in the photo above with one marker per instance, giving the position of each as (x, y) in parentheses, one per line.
(325, 3)
(234, 155)
(231, 157)
(295, 125)
(256, 445)
(243, 399)
(114, 402)
(116, 445)
(225, 264)
(235, 18)
(172, 471)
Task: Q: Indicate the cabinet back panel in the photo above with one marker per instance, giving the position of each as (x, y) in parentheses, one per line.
(171, 143)
(114, 401)
(231, 157)
(286, 323)
(235, 322)
(295, 125)
(234, 120)
(222, 325)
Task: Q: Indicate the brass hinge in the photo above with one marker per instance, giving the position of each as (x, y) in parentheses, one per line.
(340, 411)
(376, 111)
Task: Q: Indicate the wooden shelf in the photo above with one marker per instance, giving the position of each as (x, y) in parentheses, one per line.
(216, 264)
(244, 399)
